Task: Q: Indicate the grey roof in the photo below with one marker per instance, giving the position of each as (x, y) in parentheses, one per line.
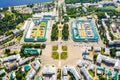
(2, 71)
(92, 67)
(13, 57)
(31, 75)
(97, 49)
(117, 64)
(49, 70)
(21, 62)
(101, 58)
(73, 71)
(84, 9)
(64, 71)
(117, 54)
(36, 64)
(82, 63)
(5, 78)
(109, 60)
(107, 51)
(65, 78)
(86, 73)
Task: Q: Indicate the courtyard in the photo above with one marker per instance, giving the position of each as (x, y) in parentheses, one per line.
(84, 30)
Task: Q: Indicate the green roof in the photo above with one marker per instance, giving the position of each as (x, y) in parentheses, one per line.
(38, 78)
(12, 75)
(108, 74)
(26, 67)
(115, 75)
(31, 50)
(101, 69)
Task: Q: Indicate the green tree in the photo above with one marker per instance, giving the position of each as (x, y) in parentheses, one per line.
(95, 57)
(65, 32)
(112, 52)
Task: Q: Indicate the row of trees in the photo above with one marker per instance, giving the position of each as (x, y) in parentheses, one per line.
(42, 46)
(54, 33)
(65, 32)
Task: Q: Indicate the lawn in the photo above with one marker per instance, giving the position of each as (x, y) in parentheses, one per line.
(64, 55)
(19, 37)
(64, 48)
(42, 24)
(110, 7)
(54, 48)
(91, 73)
(40, 34)
(19, 25)
(55, 55)
(33, 34)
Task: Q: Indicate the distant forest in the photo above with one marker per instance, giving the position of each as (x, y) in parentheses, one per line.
(81, 1)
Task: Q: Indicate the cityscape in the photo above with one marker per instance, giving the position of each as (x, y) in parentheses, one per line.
(60, 40)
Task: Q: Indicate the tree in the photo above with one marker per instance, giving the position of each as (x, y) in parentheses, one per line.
(7, 51)
(102, 78)
(112, 52)
(66, 18)
(54, 33)
(43, 46)
(37, 45)
(65, 32)
(95, 57)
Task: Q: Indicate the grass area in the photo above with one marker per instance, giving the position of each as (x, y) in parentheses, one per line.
(64, 48)
(54, 48)
(55, 55)
(91, 73)
(19, 37)
(110, 7)
(40, 33)
(33, 34)
(64, 55)
(42, 24)
(19, 25)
